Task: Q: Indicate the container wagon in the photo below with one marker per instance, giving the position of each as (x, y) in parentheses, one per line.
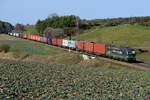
(65, 43)
(80, 45)
(72, 44)
(59, 42)
(99, 49)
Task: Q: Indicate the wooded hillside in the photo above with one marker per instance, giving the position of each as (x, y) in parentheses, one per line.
(5, 27)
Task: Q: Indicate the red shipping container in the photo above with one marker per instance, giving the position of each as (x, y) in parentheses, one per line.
(28, 37)
(24, 36)
(54, 41)
(59, 42)
(46, 39)
(34, 37)
(38, 38)
(80, 45)
(89, 46)
(99, 49)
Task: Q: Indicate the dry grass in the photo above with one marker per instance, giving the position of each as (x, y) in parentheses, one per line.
(7, 37)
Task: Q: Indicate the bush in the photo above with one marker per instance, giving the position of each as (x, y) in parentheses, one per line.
(4, 48)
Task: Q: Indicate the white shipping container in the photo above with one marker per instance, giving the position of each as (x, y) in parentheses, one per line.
(14, 34)
(17, 34)
(71, 43)
(65, 43)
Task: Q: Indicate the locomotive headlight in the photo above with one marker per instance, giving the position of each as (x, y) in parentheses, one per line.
(133, 52)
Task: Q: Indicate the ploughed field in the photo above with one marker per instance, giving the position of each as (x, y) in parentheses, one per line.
(19, 80)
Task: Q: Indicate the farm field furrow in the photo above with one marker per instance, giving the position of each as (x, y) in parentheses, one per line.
(29, 80)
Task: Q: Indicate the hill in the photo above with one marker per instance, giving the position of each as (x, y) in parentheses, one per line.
(135, 36)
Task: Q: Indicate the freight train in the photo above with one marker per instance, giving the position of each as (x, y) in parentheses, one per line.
(123, 54)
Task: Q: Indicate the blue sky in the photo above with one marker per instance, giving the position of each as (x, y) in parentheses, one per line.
(29, 11)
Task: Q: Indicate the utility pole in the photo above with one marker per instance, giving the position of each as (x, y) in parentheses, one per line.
(70, 38)
(69, 33)
(77, 22)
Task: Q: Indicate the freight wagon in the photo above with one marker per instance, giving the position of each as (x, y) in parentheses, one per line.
(99, 49)
(59, 42)
(49, 40)
(43, 39)
(65, 43)
(24, 36)
(80, 45)
(89, 47)
(37, 38)
(71, 44)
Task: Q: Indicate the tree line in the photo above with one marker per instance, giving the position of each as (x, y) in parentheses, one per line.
(57, 22)
(62, 26)
(75, 21)
(115, 21)
(71, 24)
(5, 27)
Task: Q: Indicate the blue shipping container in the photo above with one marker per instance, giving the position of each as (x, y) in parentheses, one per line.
(49, 40)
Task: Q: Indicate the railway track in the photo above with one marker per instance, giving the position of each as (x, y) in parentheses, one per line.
(141, 63)
(138, 64)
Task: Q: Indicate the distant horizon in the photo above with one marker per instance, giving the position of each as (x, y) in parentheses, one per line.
(75, 15)
(29, 11)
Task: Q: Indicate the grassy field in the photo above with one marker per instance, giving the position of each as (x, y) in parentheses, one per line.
(134, 36)
(123, 35)
(28, 80)
(20, 48)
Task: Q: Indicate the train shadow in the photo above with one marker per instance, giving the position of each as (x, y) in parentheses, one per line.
(137, 61)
